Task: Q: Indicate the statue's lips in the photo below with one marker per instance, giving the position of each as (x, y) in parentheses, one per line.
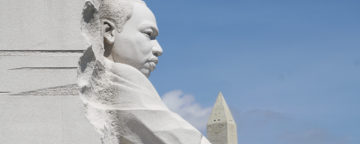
(152, 66)
(151, 63)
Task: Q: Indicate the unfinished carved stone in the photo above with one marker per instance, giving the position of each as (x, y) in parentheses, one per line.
(119, 99)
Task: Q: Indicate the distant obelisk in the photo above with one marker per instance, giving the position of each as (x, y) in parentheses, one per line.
(221, 127)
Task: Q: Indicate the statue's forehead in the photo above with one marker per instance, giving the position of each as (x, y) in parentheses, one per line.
(142, 14)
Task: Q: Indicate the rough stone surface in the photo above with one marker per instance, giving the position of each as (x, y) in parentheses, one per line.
(44, 120)
(221, 127)
(40, 25)
(40, 44)
(24, 71)
(120, 101)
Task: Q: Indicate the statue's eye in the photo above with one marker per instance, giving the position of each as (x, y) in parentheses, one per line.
(148, 33)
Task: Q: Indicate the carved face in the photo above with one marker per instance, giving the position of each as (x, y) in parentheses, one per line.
(136, 44)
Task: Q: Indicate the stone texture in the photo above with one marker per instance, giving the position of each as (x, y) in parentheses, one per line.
(34, 70)
(221, 127)
(120, 101)
(44, 120)
(40, 45)
(40, 24)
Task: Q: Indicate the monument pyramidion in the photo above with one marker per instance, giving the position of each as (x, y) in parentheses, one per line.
(221, 126)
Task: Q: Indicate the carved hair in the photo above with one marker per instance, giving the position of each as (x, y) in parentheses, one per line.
(117, 11)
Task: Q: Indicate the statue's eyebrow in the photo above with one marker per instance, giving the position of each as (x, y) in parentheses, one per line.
(155, 29)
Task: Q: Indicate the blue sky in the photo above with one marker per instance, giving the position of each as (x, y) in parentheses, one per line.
(289, 70)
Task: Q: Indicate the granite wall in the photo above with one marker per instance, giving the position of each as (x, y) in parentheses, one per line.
(40, 43)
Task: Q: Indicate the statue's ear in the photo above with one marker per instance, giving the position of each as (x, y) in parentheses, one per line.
(108, 30)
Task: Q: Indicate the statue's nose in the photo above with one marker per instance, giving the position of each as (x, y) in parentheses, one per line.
(157, 50)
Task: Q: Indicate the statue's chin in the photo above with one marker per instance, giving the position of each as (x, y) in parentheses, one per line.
(145, 71)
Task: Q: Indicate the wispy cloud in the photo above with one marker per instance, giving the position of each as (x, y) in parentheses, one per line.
(186, 106)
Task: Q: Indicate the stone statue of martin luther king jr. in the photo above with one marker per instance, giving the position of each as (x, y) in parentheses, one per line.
(119, 100)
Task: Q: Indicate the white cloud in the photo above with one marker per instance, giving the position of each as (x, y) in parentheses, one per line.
(186, 106)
